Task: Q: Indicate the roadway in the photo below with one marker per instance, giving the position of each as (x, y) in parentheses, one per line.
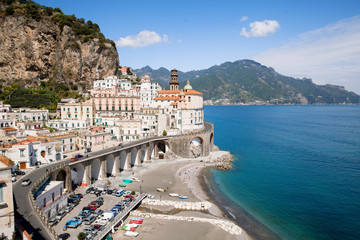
(24, 213)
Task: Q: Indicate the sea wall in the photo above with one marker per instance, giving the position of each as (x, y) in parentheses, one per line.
(182, 145)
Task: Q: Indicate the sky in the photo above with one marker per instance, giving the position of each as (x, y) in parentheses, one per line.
(313, 39)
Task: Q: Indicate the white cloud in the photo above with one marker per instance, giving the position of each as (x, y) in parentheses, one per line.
(261, 29)
(142, 39)
(329, 55)
(244, 19)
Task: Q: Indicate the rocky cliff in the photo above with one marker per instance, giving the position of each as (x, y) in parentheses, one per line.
(38, 43)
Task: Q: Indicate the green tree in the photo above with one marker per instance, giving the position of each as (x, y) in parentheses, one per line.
(128, 71)
(81, 236)
(164, 133)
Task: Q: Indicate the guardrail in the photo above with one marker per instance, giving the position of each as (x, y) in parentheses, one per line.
(101, 234)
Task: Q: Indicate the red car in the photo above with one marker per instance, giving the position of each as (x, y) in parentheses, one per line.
(129, 196)
(74, 159)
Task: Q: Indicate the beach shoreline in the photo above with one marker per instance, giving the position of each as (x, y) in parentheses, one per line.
(182, 176)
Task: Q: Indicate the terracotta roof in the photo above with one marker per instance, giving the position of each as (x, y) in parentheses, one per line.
(169, 92)
(6, 161)
(166, 98)
(192, 92)
(9, 129)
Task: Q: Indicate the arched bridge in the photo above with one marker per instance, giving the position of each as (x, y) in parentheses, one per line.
(113, 161)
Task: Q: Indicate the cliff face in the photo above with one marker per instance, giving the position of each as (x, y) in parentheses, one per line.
(35, 50)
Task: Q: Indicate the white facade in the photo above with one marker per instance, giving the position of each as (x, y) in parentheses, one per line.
(69, 124)
(7, 224)
(51, 198)
(148, 91)
(83, 111)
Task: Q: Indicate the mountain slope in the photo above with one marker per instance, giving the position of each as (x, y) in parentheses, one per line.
(246, 81)
(41, 43)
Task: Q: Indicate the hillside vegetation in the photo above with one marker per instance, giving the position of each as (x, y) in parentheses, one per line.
(246, 81)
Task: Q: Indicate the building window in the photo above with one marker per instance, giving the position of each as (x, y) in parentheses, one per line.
(2, 185)
(53, 196)
(21, 152)
(75, 109)
(3, 152)
(70, 139)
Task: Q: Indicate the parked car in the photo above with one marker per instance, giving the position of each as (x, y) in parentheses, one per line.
(85, 213)
(96, 204)
(90, 189)
(26, 182)
(69, 208)
(53, 221)
(104, 192)
(109, 192)
(119, 192)
(88, 208)
(64, 236)
(13, 179)
(99, 227)
(100, 199)
(73, 159)
(73, 200)
(79, 156)
(91, 230)
(98, 212)
(114, 192)
(19, 172)
(79, 195)
(89, 220)
(60, 214)
(73, 223)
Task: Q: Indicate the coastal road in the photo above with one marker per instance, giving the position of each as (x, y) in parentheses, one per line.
(24, 213)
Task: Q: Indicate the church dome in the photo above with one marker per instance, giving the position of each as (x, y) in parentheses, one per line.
(187, 86)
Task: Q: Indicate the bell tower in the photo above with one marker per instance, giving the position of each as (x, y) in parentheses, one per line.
(174, 83)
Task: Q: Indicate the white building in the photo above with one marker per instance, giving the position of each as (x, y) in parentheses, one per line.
(83, 111)
(7, 224)
(51, 197)
(182, 110)
(148, 91)
(69, 124)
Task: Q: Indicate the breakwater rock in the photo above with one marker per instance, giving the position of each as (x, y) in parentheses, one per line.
(224, 224)
(221, 159)
(180, 205)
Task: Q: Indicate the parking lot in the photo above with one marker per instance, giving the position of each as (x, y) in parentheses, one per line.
(109, 202)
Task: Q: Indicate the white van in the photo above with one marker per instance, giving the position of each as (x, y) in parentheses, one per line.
(107, 216)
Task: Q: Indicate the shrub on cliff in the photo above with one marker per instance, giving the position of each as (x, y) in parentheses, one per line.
(164, 133)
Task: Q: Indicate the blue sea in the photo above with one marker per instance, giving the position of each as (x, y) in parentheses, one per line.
(296, 169)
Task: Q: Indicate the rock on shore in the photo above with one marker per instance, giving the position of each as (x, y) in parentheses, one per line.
(221, 159)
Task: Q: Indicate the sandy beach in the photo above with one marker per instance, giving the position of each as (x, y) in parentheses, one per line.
(194, 218)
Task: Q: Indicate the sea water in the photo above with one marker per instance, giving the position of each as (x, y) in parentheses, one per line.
(296, 169)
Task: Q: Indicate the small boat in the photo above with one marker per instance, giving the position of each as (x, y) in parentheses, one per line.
(160, 190)
(125, 180)
(127, 228)
(135, 179)
(132, 225)
(136, 218)
(173, 194)
(122, 185)
(183, 197)
(151, 196)
(131, 234)
(136, 222)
